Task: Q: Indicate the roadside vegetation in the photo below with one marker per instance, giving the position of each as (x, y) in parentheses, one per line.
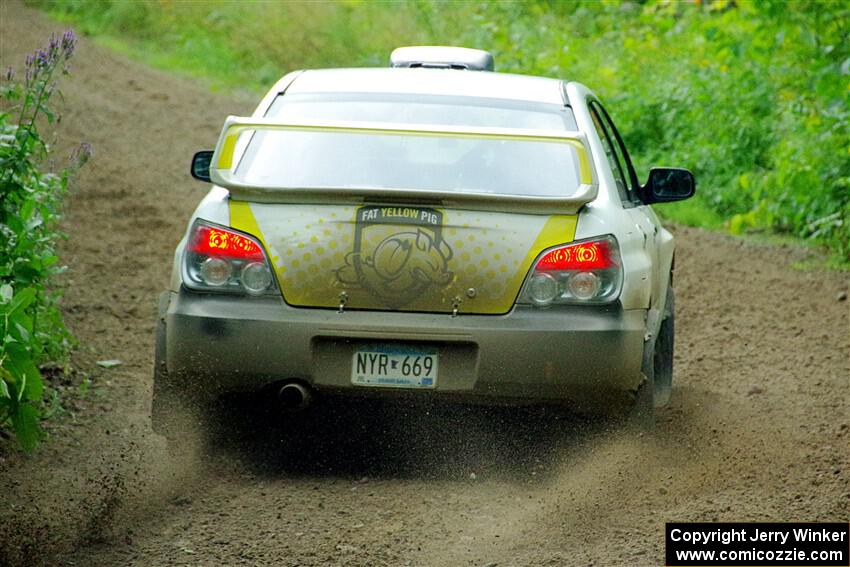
(31, 191)
(754, 97)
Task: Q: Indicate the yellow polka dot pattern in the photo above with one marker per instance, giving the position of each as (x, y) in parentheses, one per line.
(312, 250)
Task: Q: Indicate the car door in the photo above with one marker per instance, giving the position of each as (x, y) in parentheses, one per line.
(642, 216)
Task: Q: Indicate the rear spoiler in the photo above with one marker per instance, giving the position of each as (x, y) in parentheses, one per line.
(231, 144)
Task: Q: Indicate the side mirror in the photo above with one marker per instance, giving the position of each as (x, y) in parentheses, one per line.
(666, 184)
(201, 165)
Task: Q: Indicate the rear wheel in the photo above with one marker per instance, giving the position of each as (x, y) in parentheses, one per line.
(657, 368)
(173, 415)
(662, 359)
(642, 413)
(163, 402)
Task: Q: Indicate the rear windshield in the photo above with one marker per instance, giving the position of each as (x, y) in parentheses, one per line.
(423, 109)
(428, 162)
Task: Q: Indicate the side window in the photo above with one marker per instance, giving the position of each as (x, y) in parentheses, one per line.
(620, 150)
(617, 166)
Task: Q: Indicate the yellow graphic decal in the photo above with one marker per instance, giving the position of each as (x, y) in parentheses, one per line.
(225, 158)
(413, 259)
(241, 218)
(406, 257)
(559, 229)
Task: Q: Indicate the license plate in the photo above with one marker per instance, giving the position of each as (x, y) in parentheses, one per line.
(394, 366)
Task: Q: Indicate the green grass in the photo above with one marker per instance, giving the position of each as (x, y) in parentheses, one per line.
(754, 97)
(245, 45)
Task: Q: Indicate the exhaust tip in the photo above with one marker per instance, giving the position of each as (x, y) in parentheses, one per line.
(294, 396)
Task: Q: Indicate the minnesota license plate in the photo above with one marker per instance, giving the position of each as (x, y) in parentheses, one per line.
(394, 366)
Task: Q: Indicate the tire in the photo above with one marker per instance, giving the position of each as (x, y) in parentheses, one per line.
(642, 412)
(162, 401)
(662, 359)
(657, 369)
(173, 415)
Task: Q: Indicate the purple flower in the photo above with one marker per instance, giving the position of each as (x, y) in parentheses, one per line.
(69, 41)
(43, 59)
(42, 62)
(53, 46)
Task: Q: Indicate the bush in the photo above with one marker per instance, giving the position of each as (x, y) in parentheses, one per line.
(31, 328)
(751, 96)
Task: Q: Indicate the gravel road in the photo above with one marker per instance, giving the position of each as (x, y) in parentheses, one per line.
(758, 429)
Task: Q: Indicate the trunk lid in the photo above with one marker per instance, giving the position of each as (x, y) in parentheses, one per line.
(400, 257)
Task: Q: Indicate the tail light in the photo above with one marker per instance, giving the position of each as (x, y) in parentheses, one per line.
(222, 259)
(588, 272)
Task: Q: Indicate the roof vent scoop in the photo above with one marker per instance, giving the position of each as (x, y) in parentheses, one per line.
(438, 57)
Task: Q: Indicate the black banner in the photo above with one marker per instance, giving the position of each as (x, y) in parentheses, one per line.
(757, 544)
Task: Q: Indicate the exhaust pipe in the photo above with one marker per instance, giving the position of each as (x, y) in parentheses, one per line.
(294, 396)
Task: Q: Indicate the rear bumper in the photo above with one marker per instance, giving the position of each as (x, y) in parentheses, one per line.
(215, 344)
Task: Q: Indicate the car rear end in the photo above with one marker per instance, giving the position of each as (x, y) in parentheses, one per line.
(403, 243)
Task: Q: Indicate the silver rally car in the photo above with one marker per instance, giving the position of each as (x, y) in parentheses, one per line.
(434, 230)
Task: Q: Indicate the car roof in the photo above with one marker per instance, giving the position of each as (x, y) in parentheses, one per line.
(430, 82)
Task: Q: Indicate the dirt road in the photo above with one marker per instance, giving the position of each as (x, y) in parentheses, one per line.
(759, 426)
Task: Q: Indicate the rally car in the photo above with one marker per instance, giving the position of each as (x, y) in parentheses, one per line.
(434, 230)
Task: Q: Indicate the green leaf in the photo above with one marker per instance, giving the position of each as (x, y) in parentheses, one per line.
(22, 299)
(34, 386)
(15, 224)
(25, 423)
(6, 293)
(4, 388)
(23, 372)
(9, 378)
(27, 210)
(22, 332)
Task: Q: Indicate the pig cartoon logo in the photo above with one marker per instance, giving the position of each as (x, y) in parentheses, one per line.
(398, 254)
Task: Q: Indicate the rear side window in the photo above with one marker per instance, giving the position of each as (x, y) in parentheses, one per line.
(623, 159)
(617, 166)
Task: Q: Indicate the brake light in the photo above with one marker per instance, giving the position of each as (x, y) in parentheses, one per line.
(222, 259)
(595, 255)
(220, 242)
(580, 272)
